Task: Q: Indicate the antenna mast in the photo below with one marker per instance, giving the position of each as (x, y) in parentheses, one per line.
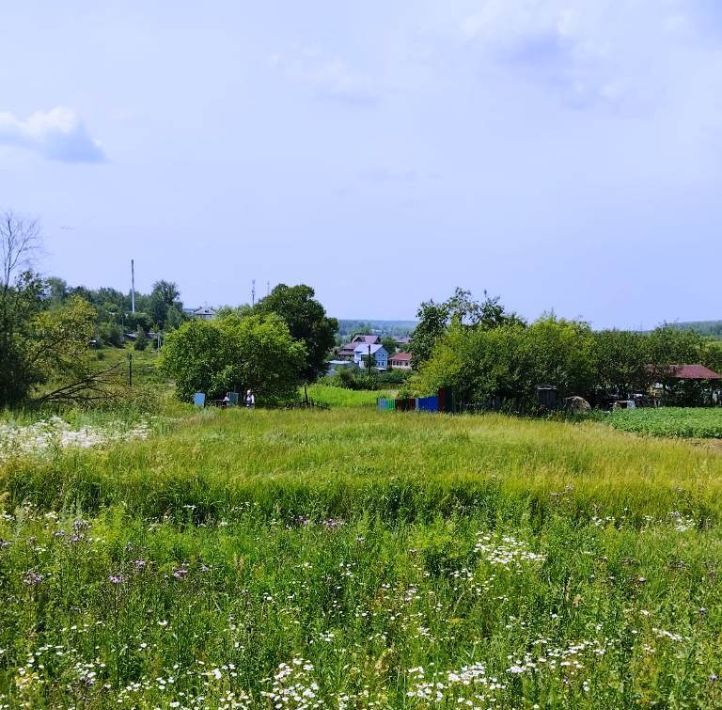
(132, 286)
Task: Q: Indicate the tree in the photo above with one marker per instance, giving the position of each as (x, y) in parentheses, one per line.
(461, 309)
(234, 354)
(165, 294)
(42, 341)
(307, 322)
(20, 300)
(141, 340)
(389, 344)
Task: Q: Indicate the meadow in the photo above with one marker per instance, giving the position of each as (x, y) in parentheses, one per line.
(353, 558)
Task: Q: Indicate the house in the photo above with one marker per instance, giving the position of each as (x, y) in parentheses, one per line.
(688, 385)
(204, 313)
(692, 372)
(400, 361)
(377, 352)
(346, 352)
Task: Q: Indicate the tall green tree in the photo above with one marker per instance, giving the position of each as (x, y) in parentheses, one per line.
(234, 353)
(307, 322)
(164, 296)
(434, 320)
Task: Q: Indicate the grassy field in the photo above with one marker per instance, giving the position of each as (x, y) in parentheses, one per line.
(339, 397)
(351, 558)
(671, 421)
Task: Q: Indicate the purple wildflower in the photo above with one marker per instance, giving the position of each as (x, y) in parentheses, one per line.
(32, 578)
(139, 565)
(334, 523)
(116, 578)
(180, 572)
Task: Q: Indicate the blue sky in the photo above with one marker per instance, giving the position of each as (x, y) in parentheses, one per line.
(565, 155)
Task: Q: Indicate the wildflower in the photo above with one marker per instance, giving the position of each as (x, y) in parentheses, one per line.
(32, 578)
(116, 578)
(180, 573)
(80, 524)
(139, 565)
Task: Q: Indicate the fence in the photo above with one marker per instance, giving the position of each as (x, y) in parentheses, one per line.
(444, 401)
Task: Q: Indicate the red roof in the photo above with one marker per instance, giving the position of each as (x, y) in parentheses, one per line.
(402, 357)
(693, 372)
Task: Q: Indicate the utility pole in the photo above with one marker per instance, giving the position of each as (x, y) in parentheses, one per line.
(132, 286)
(268, 288)
(253, 292)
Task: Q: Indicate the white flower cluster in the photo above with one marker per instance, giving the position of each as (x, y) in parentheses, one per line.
(293, 686)
(568, 657)
(468, 686)
(507, 552)
(55, 432)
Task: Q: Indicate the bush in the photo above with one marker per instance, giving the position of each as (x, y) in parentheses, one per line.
(141, 340)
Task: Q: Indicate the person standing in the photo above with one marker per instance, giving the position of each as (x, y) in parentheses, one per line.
(250, 399)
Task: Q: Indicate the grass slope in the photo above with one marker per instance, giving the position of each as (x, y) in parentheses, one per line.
(353, 558)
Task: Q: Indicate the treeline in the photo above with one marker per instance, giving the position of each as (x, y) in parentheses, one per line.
(492, 357)
(159, 310)
(711, 328)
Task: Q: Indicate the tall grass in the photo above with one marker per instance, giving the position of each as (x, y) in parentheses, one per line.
(363, 559)
(341, 397)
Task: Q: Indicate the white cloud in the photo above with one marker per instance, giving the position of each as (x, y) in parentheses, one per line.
(57, 134)
(328, 78)
(598, 51)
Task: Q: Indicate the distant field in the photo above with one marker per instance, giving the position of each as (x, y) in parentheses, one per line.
(671, 421)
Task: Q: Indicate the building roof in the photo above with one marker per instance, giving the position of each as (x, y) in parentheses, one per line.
(368, 339)
(403, 357)
(366, 348)
(692, 372)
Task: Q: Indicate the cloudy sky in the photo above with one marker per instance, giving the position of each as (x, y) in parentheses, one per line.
(565, 155)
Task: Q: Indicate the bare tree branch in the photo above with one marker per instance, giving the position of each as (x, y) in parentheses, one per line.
(19, 241)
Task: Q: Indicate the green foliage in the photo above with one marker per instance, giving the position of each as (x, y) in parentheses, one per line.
(141, 340)
(164, 296)
(111, 334)
(670, 421)
(505, 363)
(306, 320)
(40, 345)
(234, 354)
(138, 321)
(460, 310)
(389, 344)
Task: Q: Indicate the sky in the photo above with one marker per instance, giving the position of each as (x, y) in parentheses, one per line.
(565, 155)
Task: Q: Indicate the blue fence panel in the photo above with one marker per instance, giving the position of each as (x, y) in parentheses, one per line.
(427, 404)
(199, 399)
